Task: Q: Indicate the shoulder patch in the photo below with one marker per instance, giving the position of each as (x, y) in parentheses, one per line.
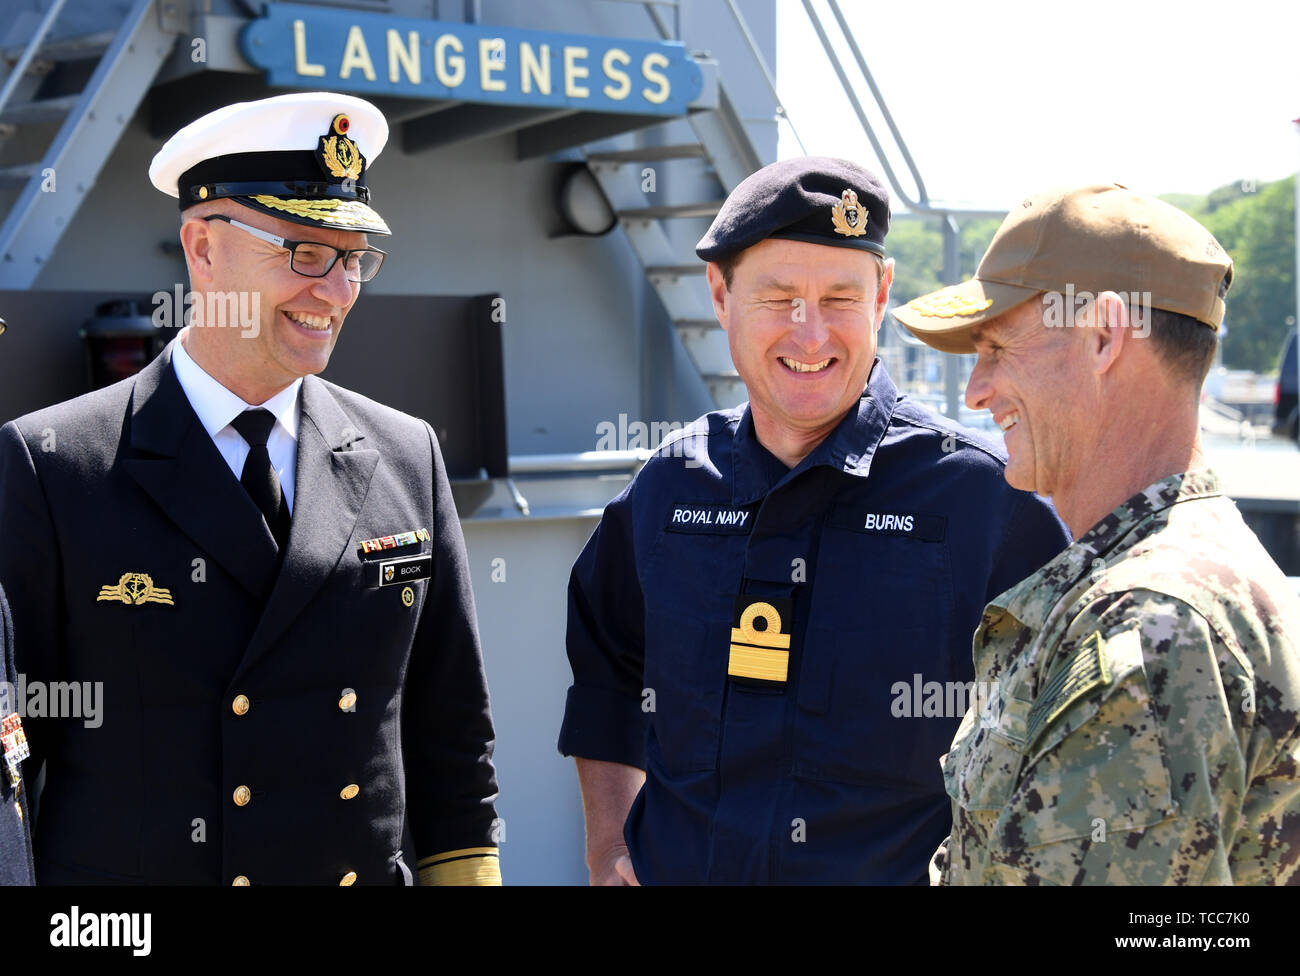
(1086, 671)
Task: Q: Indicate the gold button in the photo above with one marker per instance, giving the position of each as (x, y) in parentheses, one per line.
(348, 701)
(240, 705)
(242, 795)
(348, 879)
(203, 193)
(240, 882)
(349, 791)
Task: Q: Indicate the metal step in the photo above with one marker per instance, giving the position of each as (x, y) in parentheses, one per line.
(684, 296)
(675, 188)
(648, 154)
(727, 388)
(654, 246)
(708, 349)
(722, 133)
(44, 110)
(64, 49)
(707, 209)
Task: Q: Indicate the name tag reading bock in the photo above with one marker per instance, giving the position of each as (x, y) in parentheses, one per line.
(709, 518)
(393, 571)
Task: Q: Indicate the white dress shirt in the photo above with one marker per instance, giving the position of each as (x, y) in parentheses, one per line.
(217, 407)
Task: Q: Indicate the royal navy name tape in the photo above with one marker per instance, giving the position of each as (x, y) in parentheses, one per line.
(394, 571)
(911, 525)
(709, 519)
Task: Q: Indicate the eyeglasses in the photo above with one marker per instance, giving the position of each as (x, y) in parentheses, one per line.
(314, 259)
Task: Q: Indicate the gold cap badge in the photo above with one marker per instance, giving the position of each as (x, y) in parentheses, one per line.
(339, 155)
(135, 589)
(849, 216)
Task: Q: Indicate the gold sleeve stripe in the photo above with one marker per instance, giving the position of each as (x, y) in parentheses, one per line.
(451, 855)
(471, 866)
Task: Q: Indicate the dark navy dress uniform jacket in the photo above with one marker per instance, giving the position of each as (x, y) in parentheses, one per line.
(246, 678)
(886, 541)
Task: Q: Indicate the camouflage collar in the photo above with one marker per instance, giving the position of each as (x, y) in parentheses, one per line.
(1032, 600)
(1146, 504)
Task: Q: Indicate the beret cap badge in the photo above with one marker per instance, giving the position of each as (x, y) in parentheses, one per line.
(339, 155)
(849, 216)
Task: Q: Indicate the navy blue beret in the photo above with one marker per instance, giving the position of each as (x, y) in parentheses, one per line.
(812, 198)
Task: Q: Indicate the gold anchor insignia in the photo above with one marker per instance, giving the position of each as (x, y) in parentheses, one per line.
(135, 589)
(340, 154)
(849, 216)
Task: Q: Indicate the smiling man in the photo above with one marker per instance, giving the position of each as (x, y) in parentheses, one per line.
(769, 628)
(266, 571)
(1145, 723)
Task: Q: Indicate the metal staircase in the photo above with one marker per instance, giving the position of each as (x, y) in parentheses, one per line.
(711, 153)
(663, 236)
(41, 195)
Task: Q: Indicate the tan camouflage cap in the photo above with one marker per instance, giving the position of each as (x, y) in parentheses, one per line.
(1081, 239)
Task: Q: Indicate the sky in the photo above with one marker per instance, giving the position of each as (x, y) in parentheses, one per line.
(998, 99)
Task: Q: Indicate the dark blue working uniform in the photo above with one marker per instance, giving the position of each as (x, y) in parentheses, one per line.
(874, 557)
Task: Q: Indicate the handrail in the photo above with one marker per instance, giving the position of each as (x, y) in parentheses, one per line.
(767, 74)
(920, 205)
(650, 5)
(923, 204)
(586, 461)
(20, 68)
(781, 112)
(875, 93)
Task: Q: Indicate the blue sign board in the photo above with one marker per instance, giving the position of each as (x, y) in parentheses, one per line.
(340, 50)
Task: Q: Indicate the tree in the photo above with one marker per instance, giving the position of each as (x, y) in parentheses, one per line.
(1258, 230)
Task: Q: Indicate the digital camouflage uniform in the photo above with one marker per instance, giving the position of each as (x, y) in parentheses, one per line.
(1141, 725)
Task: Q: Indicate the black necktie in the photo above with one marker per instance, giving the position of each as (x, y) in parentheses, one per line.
(259, 478)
